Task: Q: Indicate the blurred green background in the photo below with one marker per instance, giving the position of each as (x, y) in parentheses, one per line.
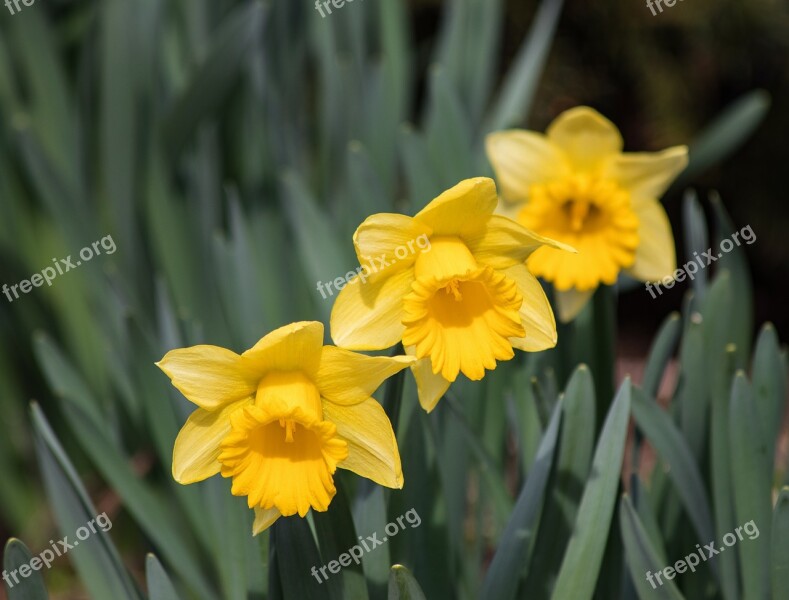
(204, 134)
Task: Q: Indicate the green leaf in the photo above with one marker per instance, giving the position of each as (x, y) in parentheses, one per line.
(779, 567)
(297, 560)
(518, 538)
(119, 124)
(19, 587)
(336, 535)
(403, 586)
(641, 557)
(96, 559)
(725, 134)
(215, 77)
(584, 554)
(425, 549)
(53, 117)
(322, 257)
(422, 179)
(719, 356)
(751, 468)
(520, 84)
(769, 385)
(565, 486)
(693, 395)
(63, 378)
(448, 138)
(646, 513)
(659, 429)
(490, 471)
(741, 323)
(367, 196)
(696, 241)
(159, 585)
(660, 353)
(156, 517)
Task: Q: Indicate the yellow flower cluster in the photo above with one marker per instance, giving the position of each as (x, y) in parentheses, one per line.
(279, 419)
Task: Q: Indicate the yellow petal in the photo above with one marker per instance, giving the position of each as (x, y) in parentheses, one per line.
(648, 174)
(345, 377)
(372, 446)
(461, 210)
(536, 314)
(368, 316)
(430, 386)
(264, 518)
(294, 347)
(196, 452)
(504, 243)
(655, 255)
(210, 376)
(522, 159)
(390, 242)
(587, 137)
(570, 303)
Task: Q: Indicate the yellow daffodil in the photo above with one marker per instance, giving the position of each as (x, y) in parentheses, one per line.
(281, 417)
(575, 185)
(459, 302)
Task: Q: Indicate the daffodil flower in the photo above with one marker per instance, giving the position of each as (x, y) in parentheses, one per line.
(575, 185)
(281, 417)
(460, 303)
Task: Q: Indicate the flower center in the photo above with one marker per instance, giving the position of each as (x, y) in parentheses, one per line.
(596, 217)
(464, 322)
(580, 213)
(280, 452)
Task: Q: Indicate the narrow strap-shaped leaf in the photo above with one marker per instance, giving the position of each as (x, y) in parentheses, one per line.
(403, 585)
(159, 585)
(660, 353)
(214, 78)
(501, 581)
(96, 559)
(337, 536)
(642, 559)
(298, 561)
(565, 486)
(696, 240)
(725, 134)
(751, 484)
(581, 565)
(779, 567)
(659, 429)
(28, 585)
(740, 323)
(769, 386)
(520, 84)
